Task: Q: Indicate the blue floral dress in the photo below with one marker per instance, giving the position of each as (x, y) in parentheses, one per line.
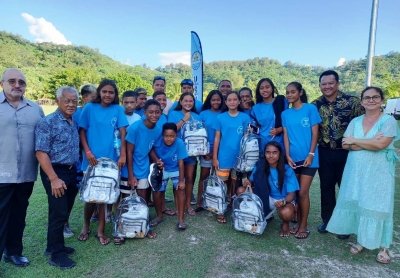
(366, 196)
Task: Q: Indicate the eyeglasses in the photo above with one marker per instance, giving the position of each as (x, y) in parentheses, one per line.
(159, 77)
(67, 101)
(374, 98)
(187, 82)
(21, 82)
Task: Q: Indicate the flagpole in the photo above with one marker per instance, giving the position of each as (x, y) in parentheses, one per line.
(372, 38)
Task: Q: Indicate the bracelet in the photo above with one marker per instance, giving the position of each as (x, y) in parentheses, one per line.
(313, 154)
(284, 202)
(88, 152)
(183, 120)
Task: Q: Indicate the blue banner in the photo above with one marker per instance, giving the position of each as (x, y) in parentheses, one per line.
(196, 60)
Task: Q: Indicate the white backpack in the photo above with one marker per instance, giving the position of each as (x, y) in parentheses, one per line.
(248, 214)
(214, 194)
(131, 218)
(194, 134)
(101, 182)
(250, 152)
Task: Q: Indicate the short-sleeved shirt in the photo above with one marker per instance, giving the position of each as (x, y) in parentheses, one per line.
(58, 138)
(290, 183)
(171, 155)
(175, 116)
(336, 116)
(143, 138)
(18, 163)
(100, 123)
(247, 111)
(140, 112)
(265, 116)
(132, 118)
(197, 103)
(208, 117)
(77, 115)
(299, 123)
(232, 129)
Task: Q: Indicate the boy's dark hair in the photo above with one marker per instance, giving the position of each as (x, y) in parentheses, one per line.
(169, 126)
(129, 94)
(151, 102)
(158, 93)
(329, 72)
(87, 89)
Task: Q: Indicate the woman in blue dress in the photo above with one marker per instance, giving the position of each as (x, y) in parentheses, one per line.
(366, 196)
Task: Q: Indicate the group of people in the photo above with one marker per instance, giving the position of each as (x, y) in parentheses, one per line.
(348, 140)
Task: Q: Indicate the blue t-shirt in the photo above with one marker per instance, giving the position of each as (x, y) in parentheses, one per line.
(140, 112)
(299, 123)
(100, 123)
(290, 183)
(232, 129)
(265, 116)
(247, 111)
(197, 103)
(143, 138)
(77, 115)
(208, 117)
(175, 116)
(170, 155)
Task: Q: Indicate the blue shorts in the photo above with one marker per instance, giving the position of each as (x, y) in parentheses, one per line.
(174, 176)
(191, 160)
(205, 163)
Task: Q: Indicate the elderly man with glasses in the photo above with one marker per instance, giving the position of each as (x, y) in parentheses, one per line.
(57, 149)
(18, 165)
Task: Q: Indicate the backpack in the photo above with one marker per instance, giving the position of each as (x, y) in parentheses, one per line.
(250, 152)
(131, 219)
(194, 135)
(101, 182)
(214, 194)
(248, 213)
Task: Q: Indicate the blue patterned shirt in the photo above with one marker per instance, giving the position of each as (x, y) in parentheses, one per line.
(58, 138)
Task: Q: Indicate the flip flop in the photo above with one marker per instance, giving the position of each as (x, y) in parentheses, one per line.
(297, 235)
(356, 248)
(198, 209)
(181, 226)
(155, 222)
(221, 220)
(293, 230)
(119, 240)
(383, 256)
(169, 212)
(191, 212)
(104, 238)
(151, 234)
(84, 237)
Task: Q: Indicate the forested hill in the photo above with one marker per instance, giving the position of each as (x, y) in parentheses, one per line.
(48, 66)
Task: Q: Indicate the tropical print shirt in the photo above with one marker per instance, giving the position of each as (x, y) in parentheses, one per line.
(336, 116)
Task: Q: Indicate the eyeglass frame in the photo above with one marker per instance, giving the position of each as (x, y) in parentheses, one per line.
(375, 98)
(13, 82)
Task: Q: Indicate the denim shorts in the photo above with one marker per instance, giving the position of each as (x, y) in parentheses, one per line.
(174, 176)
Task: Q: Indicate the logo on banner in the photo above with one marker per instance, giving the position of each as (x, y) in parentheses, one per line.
(196, 60)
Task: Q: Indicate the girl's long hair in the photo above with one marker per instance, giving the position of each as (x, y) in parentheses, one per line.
(225, 107)
(280, 167)
(102, 84)
(179, 106)
(207, 102)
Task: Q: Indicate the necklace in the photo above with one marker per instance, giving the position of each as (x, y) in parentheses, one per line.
(371, 122)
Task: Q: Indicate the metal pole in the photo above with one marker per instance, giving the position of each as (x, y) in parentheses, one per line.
(371, 45)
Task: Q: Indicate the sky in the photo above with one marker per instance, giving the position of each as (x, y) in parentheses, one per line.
(157, 32)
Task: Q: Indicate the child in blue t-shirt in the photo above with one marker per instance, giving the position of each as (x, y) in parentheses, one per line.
(229, 129)
(171, 151)
(129, 100)
(300, 128)
(99, 120)
(186, 111)
(210, 111)
(272, 175)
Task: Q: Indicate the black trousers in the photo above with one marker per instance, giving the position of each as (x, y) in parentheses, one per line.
(14, 201)
(331, 166)
(59, 208)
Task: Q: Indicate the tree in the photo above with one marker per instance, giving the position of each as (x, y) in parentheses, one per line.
(128, 82)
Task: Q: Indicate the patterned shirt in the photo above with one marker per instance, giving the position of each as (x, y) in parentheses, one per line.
(18, 162)
(58, 138)
(336, 116)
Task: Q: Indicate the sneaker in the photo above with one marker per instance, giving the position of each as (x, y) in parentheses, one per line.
(67, 232)
(155, 177)
(193, 200)
(61, 261)
(69, 250)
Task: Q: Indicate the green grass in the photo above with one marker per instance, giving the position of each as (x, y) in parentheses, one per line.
(205, 249)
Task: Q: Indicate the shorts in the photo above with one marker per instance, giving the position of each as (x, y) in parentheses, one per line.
(191, 160)
(174, 176)
(126, 189)
(223, 174)
(272, 201)
(205, 163)
(307, 171)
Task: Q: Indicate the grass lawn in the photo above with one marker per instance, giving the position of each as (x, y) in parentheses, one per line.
(205, 249)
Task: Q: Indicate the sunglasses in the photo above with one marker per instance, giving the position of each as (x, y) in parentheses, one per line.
(159, 77)
(12, 82)
(187, 82)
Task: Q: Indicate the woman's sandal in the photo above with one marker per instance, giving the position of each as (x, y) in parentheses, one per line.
(84, 236)
(181, 226)
(119, 240)
(383, 256)
(106, 240)
(191, 212)
(221, 219)
(293, 230)
(302, 234)
(356, 248)
(151, 234)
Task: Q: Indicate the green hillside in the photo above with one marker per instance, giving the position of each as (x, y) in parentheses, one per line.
(48, 66)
